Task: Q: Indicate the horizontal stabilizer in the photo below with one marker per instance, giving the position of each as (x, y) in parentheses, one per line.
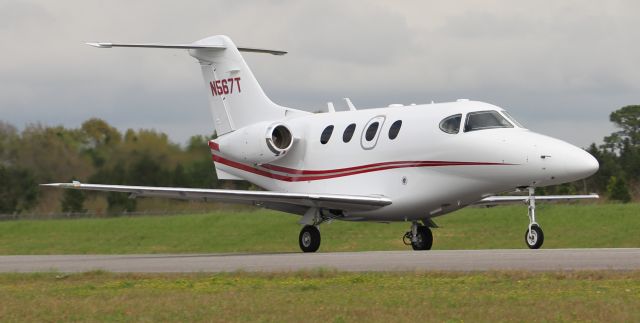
(187, 46)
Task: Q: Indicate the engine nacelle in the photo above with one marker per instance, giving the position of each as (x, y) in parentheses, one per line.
(259, 143)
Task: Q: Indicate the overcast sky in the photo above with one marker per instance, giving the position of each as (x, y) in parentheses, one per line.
(560, 67)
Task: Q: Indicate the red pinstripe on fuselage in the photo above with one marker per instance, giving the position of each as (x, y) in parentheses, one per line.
(297, 175)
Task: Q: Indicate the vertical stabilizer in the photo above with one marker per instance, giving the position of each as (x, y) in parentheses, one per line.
(235, 97)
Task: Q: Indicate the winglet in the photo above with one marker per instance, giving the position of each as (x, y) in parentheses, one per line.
(100, 45)
(74, 184)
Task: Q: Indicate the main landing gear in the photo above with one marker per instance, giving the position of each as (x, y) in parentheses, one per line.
(534, 237)
(309, 238)
(420, 237)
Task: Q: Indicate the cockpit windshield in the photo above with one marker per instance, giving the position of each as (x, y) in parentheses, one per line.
(481, 120)
(512, 119)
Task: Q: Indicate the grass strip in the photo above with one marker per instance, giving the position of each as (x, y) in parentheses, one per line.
(322, 296)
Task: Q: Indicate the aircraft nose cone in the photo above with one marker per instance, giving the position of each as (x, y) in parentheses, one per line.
(581, 164)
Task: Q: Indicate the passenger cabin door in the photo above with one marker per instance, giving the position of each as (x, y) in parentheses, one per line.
(371, 132)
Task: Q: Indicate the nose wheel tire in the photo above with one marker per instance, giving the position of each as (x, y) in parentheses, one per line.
(423, 239)
(534, 239)
(309, 238)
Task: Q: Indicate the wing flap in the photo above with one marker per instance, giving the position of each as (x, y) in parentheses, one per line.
(260, 198)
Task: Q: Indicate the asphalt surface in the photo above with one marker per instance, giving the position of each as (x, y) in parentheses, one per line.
(435, 260)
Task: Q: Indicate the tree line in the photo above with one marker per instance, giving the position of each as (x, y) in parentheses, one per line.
(619, 157)
(618, 178)
(96, 152)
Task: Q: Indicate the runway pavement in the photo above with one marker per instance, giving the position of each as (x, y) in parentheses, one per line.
(435, 260)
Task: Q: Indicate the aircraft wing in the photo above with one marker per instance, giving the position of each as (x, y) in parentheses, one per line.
(495, 200)
(297, 203)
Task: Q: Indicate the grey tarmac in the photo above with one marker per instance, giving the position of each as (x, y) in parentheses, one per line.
(434, 260)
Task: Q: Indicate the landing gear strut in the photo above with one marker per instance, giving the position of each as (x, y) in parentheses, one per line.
(534, 237)
(309, 238)
(420, 237)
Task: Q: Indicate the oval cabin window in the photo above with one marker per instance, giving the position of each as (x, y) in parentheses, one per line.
(395, 129)
(348, 132)
(326, 135)
(371, 131)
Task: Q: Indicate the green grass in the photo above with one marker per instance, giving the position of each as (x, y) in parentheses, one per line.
(322, 296)
(566, 226)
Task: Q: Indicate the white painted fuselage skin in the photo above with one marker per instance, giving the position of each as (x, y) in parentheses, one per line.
(424, 171)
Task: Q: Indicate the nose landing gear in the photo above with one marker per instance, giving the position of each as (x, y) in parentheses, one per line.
(420, 237)
(533, 237)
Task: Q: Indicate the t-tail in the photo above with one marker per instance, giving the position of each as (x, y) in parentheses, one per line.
(235, 97)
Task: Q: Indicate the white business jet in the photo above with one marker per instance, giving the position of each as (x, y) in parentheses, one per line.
(396, 163)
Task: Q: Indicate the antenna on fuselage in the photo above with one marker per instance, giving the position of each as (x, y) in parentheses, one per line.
(349, 104)
(330, 107)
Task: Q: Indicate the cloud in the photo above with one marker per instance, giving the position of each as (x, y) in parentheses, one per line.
(552, 63)
(22, 16)
(349, 32)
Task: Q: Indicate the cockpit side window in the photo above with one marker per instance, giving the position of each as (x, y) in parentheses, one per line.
(451, 124)
(481, 120)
